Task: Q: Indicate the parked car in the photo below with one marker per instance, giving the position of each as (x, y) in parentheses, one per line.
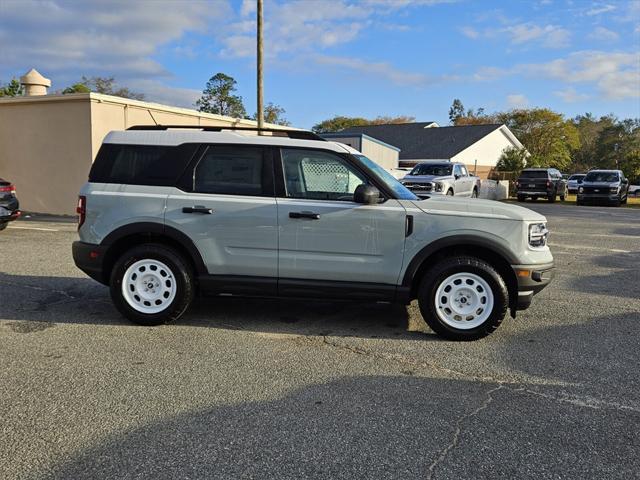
(9, 206)
(442, 178)
(541, 182)
(168, 213)
(609, 186)
(574, 182)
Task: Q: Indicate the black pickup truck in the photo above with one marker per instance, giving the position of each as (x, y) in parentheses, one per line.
(541, 182)
(9, 206)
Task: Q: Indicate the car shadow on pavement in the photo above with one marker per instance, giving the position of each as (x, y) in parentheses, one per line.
(367, 427)
(83, 301)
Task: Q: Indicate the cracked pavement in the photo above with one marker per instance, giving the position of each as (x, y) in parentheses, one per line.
(251, 388)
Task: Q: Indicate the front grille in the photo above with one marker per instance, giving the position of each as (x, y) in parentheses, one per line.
(596, 190)
(419, 187)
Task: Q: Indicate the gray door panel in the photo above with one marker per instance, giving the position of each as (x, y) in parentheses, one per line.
(348, 242)
(239, 237)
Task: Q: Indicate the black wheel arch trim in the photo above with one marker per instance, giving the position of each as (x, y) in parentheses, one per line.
(454, 241)
(154, 229)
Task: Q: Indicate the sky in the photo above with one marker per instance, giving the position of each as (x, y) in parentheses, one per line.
(342, 57)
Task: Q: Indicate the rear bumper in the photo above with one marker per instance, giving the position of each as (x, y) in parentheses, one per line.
(537, 193)
(90, 258)
(7, 215)
(531, 280)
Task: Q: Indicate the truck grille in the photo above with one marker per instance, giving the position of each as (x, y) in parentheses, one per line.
(419, 187)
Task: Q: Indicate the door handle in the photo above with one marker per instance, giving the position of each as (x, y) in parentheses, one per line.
(197, 209)
(310, 215)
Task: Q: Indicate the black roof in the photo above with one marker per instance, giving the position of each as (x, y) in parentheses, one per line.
(415, 141)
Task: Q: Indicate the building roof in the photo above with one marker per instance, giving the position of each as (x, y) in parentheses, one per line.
(338, 135)
(419, 141)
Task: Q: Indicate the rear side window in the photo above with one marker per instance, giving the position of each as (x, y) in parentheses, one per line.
(233, 171)
(158, 165)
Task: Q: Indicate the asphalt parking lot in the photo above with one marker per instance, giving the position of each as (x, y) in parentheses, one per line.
(276, 389)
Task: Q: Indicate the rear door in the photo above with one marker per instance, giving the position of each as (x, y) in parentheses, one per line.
(226, 206)
(326, 236)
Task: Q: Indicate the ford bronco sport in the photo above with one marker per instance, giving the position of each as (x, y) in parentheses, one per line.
(169, 212)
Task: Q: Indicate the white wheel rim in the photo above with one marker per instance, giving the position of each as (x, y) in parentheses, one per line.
(149, 286)
(464, 301)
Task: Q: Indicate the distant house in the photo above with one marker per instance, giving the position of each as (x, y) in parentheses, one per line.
(477, 146)
(380, 152)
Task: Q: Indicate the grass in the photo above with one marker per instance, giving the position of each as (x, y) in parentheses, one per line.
(632, 202)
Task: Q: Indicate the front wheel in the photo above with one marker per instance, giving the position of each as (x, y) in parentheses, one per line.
(551, 198)
(450, 193)
(3, 225)
(152, 284)
(463, 298)
(474, 194)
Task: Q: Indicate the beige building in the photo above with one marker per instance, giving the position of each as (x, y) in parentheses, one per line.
(380, 152)
(48, 142)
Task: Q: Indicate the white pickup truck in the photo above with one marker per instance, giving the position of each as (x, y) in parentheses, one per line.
(441, 178)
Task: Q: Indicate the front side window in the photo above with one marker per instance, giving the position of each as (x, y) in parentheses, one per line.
(319, 175)
(231, 171)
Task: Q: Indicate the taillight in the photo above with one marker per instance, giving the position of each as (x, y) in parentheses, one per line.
(81, 210)
(8, 189)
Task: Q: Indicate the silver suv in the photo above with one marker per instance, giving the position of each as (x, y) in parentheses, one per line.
(169, 212)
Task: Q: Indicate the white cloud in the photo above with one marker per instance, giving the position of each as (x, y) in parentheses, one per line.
(604, 35)
(373, 70)
(551, 36)
(599, 9)
(616, 75)
(470, 32)
(517, 100)
(65, 40)
(570, 95)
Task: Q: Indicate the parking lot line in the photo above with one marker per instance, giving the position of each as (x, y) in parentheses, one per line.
(584, 247)
(34, 228)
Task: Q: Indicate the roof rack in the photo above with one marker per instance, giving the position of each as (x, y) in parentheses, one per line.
(295, 134)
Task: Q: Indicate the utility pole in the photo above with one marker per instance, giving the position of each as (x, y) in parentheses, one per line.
(259, 56)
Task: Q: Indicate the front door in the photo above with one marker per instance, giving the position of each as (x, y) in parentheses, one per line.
(230, 212)
(324, 234)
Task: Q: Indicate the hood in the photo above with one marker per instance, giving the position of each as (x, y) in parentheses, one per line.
(424, 178)
(473, 207)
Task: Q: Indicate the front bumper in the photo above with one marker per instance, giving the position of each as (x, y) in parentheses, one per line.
(531, 280)
(90, 259)
(598, 197)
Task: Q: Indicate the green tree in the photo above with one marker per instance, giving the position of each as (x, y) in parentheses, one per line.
(513, 159)
(547, 136)
(11, 89)
(218, 97)
(618, 146)
(339, 122)
(273, 114)
(76, 88)
(589, 130)
(456, 111)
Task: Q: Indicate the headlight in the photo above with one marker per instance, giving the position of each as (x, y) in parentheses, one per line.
(580, 190)
(439, 186)
(538, 234)
(613, 189)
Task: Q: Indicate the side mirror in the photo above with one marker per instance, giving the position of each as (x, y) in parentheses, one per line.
(366, 194)
(456, 176)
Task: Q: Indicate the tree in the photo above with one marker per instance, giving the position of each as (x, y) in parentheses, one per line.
(456, 111)
(12, 89)
(218, 97)
(104, 85)
(273, 114)
(338, 123)
(513, 159)
(547, 136)
(589, 131)
(618, 146)
(76, 88)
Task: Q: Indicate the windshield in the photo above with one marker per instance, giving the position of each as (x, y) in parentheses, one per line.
(436, 170)
(601, 177)
(576, 177)
(402, 192)
(534, 174)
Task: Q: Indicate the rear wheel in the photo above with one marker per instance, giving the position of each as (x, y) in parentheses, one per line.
(521, 198)
(152, 284)
(552, 198)
(463, 298)
(450, 192)
(534, 198)
(3, 225)
(474, 194)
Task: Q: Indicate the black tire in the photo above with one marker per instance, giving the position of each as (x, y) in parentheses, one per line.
(450, 192)
(579, 203)
(624, 200)
(462, 264)
(521, 198)
(617, 202)
(474, 194)
(182, 274)
(534, 198)
(3, 225)
(551, 198)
